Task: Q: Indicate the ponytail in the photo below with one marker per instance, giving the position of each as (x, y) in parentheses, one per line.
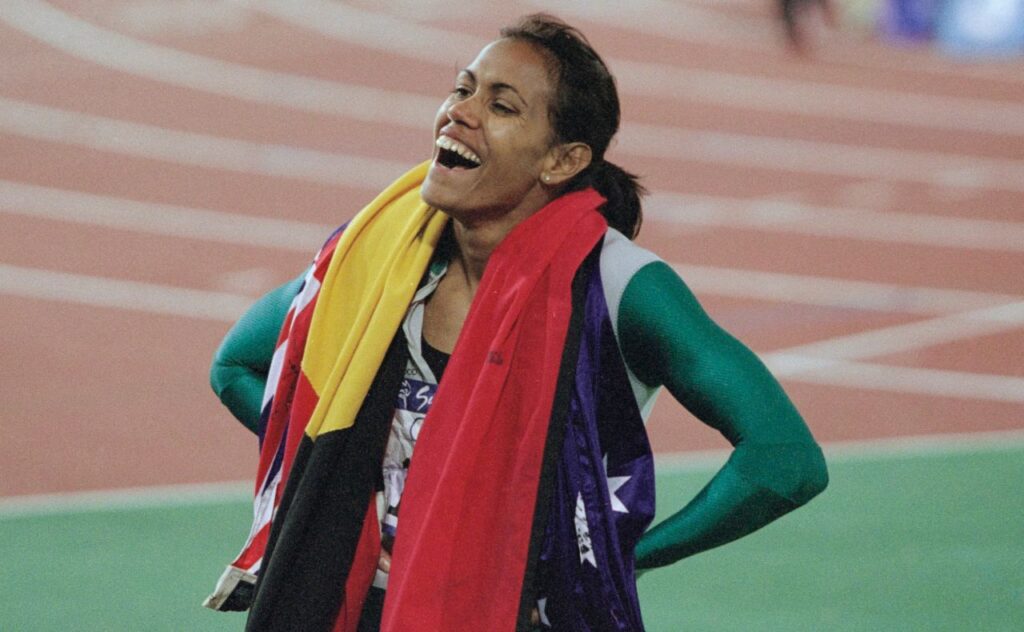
(585, 109)
(622, 191)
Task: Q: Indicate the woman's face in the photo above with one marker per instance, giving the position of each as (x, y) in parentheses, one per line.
(493, 139)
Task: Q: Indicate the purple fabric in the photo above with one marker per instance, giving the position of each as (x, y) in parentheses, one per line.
(604, 491)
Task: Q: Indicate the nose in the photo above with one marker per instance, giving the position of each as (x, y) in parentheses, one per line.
(464, 111)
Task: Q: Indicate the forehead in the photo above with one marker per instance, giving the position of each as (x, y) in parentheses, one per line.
(515, 62)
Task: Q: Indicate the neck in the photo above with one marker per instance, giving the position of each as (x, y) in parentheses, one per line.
(476, 240)
(473, 248)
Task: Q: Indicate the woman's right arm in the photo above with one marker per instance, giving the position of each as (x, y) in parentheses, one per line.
(239, 371)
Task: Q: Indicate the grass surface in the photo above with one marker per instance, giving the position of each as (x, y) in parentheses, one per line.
(930, 542)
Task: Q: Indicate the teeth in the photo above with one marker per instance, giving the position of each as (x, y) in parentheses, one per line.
(446, 142)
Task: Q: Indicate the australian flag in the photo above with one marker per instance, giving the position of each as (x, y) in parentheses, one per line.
(604, 492)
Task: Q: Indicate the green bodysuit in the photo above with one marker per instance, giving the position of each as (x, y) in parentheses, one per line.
(667, 340)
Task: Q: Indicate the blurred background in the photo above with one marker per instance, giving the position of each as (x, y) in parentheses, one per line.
(841, 183)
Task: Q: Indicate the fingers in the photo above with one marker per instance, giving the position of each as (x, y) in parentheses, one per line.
(384, 563)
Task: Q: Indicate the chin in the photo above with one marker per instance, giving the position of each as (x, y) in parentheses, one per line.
(433, 194)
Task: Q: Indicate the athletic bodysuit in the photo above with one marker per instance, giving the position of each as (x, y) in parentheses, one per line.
(666, 339)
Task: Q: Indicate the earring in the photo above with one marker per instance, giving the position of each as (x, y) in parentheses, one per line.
(547, 178)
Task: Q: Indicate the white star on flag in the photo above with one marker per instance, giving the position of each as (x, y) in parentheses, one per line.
(583, 533)
(614, 483)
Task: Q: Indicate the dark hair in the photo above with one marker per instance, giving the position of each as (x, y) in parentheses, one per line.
(585, 109)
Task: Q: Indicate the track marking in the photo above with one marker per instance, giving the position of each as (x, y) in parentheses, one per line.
(246, 230)
(793, 364)
(424, 43)
(136, 139)
(344, 23)
(834, 292)
(156, 497)
(198, 494)
(769, 215)
(399, 108)
(897, 379)
(96, 291)
(899, 338)
(160, 219)
(690, 24)
(111, 49)
(157, 143)
(892, 448)
(823, 158)
(789, 216)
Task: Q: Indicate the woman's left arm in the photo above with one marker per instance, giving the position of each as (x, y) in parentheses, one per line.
(775, 466)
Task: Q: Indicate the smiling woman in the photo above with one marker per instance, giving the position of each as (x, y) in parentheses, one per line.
(489, 311)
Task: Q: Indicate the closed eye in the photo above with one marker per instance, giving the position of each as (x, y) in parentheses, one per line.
(501, 108)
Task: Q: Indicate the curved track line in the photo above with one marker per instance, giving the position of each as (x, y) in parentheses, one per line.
(416, 41)
(856, 451)
(833, 292)
(197, 494)
(163, 496)
(833, 159)
(246, 230)
(52, 124)
(108, 48)
(789, 364)
(187, 148)
(160, 219)
(687, 24)
(899, 379)
(692, 210)
(795, 217)
(899, 338)
(151, 298)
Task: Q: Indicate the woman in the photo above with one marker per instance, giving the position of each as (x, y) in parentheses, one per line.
(533, 480)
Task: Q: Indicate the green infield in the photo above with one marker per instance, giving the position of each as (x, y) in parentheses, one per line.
(931, 541)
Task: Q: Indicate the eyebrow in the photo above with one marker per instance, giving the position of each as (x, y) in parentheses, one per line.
(496, 87)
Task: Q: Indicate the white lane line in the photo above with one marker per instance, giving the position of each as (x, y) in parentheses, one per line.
(891, 448)
(151, 298)
(834, 292)
(425, 43)
(105, 500)
(160, 219)
(353, 25)
(409, 110)
(833, 159)
(898, 379)
(240, 491)
(691, 24)
(113, 50)
(787, 216)
(774, 94)
(137, 139)
(146, 141)
(794, 364)
(898, 338)
(693, 210)
(246, 230)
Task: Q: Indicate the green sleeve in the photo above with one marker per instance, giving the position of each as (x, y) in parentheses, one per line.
(240, 365)
(667, 339)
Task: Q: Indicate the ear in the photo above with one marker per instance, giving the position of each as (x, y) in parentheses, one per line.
(564, 162)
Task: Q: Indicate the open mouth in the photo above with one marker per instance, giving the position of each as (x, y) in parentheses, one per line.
(454, 155)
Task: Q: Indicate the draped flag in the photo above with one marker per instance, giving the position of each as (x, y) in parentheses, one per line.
(511, 470)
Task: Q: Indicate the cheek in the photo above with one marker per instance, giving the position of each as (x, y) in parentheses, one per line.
(441, 118)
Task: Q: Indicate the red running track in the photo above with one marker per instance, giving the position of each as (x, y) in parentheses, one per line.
(868, 199)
